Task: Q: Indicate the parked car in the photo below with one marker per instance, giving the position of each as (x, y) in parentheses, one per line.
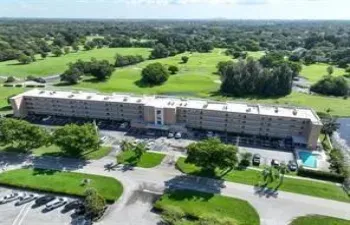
(72, 205)
(44, 200)
(292, 166)
(170, 135)
(275, 163)
(26, 199)
(58, 203)
(256, 159)
(9, 197)
(80, 210)
(178, 135)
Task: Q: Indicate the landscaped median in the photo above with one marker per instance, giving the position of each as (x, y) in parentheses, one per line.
(319, 220)
(147, 160)
(192, 206)
(62, 182)
(252, 177)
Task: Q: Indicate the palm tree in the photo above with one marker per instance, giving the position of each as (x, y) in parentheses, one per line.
(330, 125)
(270, 174)
(139, 149)
(125, 145)
(282, 171)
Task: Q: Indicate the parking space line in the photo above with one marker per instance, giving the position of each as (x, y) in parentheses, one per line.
(25, 214)
(19, 219)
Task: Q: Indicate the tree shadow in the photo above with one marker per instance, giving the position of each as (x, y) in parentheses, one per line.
(93, 80)
(13, 149)
(62, 84)
(142, 84)
(5, 108)
(219, 93)
(262, 190)
(16, 64)
(59, 163)
(37, 171)
(201, 184)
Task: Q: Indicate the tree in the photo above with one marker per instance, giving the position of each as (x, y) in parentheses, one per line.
(246, 158)
(127, 60)
(184, 59)
(71, 76)
(66, 50)
(282, 169)
(10, 79)
(75, 47)
(22, 135)
(125, 145)
(94, 202)
(159, 51)
(43, 55)
(330, 70)
(173, 69)
(330, 125)
(269, 174)
(154, 74)
(57, 51)
(24, 59)
(211, 154)
(75, 140)
(100, 69)
(139, 149)
(330, 85)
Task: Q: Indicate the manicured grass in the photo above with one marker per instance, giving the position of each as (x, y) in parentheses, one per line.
(62, 182)
(315, 72)
(54, 150)
(194, 77)
(55, 65)
(319, 220)
(252, 177)
(198, 205)
(5, 92)
(147, 160)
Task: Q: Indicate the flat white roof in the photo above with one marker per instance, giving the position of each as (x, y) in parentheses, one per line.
(173, 102)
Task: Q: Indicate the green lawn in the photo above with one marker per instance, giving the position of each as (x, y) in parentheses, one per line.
(62, 182)
(319, 220)
(5, 92)
(198, 205)
(55, 65)
(54, 150)
(315, 72)
(252, 177)
(147, 160)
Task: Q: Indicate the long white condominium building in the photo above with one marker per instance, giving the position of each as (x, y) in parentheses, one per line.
(159, 112)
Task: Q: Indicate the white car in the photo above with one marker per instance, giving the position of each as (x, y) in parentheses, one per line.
(178, 135)
(170, 135)
(27, 198)
(9, 197)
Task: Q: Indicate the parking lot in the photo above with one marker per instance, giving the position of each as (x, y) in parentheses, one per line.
(267, 155)
(29, 214)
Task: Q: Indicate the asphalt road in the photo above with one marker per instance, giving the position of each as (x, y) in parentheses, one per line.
(273, 209)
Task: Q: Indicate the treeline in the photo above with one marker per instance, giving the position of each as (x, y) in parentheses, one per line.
(127, 60)
(331, 85)
(100, 69)
(251, 78)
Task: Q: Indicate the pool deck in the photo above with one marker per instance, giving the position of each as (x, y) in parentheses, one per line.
(321, 159)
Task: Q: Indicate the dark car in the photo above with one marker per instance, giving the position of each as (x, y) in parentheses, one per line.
(256, 159)
(44, 200)
(80, 210)
(72, 205)
(292, 166)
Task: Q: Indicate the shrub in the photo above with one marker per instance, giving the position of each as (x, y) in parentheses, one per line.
(18, 85)
(10, 79)
(322, 175)
(8, 85)
(329, 85)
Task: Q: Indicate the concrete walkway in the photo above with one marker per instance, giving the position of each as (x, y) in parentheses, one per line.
(274, 209)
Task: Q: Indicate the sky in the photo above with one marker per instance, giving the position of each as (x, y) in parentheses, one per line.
(178, 9)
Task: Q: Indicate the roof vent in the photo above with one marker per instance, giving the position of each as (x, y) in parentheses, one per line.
(205, 106)
(276, 110)
(185, 104)
(41, 92)
(89, 97)
(295, 112)
(248, 110)
(138, 100)
(106, 98)
(70, 96)
(125, 99)
(225, 107)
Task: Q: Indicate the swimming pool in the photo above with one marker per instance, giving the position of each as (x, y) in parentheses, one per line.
(308, 159)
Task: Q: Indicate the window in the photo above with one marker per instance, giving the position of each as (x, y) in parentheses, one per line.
(159, 112)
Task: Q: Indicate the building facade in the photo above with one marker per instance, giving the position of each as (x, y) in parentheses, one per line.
(301, 124)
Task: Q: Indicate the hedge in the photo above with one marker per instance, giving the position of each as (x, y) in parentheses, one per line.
(321, 175)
